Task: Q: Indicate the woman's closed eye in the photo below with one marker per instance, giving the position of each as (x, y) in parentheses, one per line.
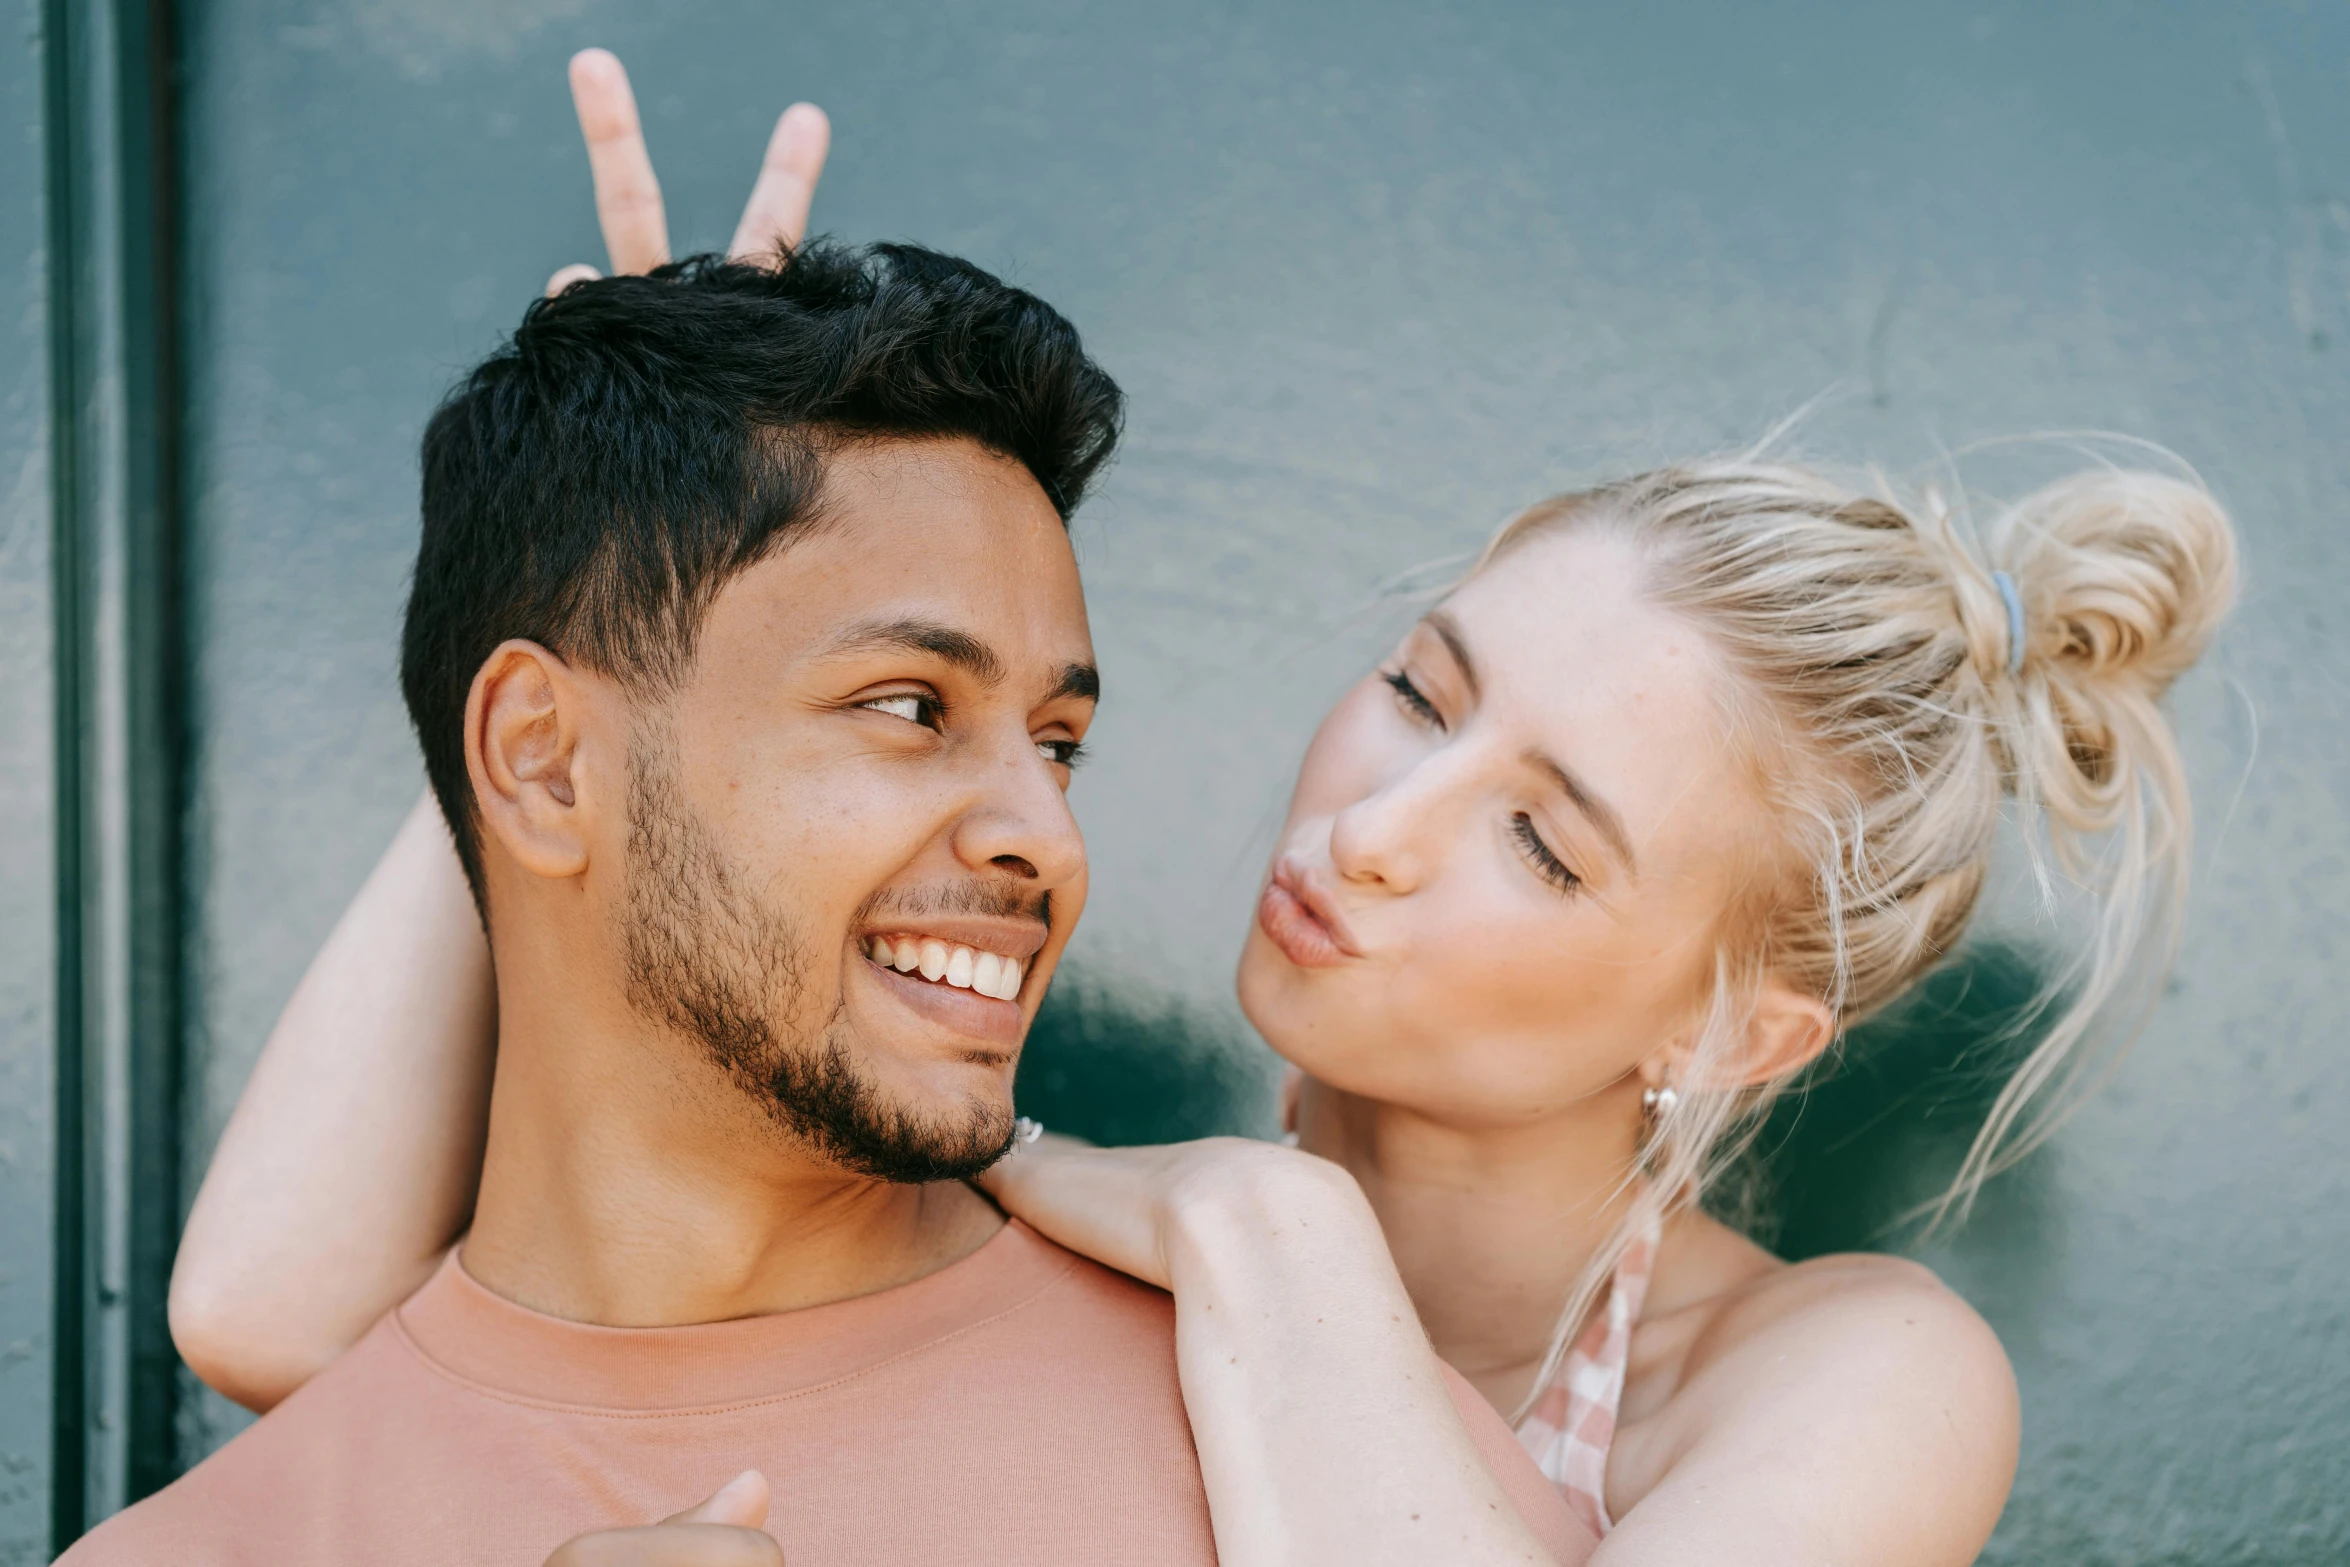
(1547, 865)
(1415, 702)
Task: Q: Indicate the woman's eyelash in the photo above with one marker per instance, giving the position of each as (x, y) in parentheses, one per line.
(1067, 753)
(1410, 696)
(1551, 868)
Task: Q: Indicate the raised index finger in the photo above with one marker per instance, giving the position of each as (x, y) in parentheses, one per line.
(628, 198)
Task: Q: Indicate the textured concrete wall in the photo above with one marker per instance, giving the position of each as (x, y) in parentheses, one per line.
(1375, 274)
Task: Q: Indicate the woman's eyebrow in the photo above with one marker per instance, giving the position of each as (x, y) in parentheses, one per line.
(1597, 811)
(1449, 634)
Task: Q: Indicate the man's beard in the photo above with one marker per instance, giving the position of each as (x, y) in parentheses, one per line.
(710, 961)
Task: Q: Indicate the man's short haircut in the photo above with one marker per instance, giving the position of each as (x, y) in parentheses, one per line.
(594, 483)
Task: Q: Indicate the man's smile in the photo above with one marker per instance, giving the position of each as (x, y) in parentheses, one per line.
(962, 972)
(948, 963)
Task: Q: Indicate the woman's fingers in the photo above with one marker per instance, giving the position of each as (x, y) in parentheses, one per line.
(776, 216)
(628, 198)
(1102, 1202)
(670, 1545)
(1125, 1207)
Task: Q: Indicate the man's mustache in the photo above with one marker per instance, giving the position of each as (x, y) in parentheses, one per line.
(993, 899)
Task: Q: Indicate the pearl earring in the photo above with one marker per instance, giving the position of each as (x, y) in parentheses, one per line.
(1655, 1105)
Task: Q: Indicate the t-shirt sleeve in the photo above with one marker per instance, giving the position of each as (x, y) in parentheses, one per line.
(1537, 1500)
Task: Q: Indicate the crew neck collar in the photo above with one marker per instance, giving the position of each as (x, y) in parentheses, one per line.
(482, 1338)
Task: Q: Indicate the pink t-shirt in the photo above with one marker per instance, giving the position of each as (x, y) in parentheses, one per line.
(1019, 1406)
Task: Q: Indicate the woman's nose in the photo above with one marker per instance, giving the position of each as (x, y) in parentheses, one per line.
(1390, 836)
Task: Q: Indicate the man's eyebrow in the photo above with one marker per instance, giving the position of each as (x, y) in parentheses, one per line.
(1600, 814)
(959, 648)
(1082, 681)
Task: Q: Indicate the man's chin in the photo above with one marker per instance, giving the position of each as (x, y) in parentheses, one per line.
(942, 1121)
(916, 1152)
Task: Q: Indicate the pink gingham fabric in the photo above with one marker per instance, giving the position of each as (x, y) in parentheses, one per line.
(1570, 1427)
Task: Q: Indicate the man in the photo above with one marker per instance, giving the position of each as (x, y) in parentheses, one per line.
(749, 661)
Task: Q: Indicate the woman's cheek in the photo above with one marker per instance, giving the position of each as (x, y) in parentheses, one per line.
(1349, 752)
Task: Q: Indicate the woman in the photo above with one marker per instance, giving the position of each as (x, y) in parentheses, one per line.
(1690, 773)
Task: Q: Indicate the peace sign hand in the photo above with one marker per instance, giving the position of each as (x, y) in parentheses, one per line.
(628, 197)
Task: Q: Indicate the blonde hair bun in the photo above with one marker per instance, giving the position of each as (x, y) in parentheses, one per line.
(2124, 577)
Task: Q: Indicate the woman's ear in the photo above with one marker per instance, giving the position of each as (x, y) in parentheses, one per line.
(523, 719)
(1785, 1033)
(1789, 1032)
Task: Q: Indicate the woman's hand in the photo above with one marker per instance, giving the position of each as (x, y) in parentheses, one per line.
(722, 1532)
(628, 197)
(1147, 1211)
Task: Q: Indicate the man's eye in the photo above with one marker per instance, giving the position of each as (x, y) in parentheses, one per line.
(911, 706)
(1061, 753)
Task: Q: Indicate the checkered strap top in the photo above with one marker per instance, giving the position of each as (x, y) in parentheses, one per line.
(1572, 1425)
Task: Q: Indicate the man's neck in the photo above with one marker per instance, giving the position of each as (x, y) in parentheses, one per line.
(627, 1197)
(1489, 1228)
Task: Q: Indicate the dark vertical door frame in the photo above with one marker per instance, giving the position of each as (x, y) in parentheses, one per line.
(120, 654)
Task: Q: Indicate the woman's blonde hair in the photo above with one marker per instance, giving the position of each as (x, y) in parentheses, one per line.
(1887, 712)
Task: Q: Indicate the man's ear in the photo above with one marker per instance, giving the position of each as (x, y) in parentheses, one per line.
(523, 723)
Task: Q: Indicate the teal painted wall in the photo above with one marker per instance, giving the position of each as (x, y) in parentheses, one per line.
(1376, 274)
(27, 849)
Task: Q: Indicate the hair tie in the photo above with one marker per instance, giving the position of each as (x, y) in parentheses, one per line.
(2015, 620)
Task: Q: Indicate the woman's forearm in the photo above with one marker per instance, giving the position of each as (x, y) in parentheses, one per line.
(1325, 1428)
(351, 1160)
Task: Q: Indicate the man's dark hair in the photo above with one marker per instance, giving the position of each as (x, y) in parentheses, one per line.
(640, 440)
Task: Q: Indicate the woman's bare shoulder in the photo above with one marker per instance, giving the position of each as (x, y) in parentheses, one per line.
(1888, 1371)
(1724, 1296)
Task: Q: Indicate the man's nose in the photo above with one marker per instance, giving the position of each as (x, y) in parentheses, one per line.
(1021, 825)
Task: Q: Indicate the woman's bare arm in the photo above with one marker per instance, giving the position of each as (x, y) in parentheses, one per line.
(1325, 1429)
(350, 1163)
(1850, 1409)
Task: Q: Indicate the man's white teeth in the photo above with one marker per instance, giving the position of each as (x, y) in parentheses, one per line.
(965, 968)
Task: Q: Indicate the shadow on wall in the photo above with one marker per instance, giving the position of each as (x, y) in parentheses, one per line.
(1841, 1164)
(1881, 1127)
(1123, 1066)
